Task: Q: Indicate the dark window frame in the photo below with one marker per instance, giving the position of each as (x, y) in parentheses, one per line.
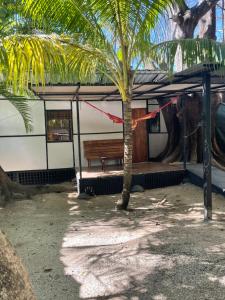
(150, 124)
(68, 117)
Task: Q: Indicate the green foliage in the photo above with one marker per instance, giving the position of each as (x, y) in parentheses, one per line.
(194, 52)
(20, 103)
(110, 36)
(113, 37)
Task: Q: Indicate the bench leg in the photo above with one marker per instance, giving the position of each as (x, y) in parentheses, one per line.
(103, 164)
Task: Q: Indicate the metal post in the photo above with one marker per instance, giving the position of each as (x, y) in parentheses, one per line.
(78, 130)
(223, 20)
(207, 174)
(184, 134)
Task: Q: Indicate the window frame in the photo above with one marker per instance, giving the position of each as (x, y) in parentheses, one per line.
(70, 128)
(149, 126)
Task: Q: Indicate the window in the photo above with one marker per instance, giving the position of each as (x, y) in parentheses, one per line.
(59, 125)
(154, 124)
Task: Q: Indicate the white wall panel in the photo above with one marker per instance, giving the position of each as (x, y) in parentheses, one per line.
(11, 122)
(57, 104)
(92, 121)
(23, 153)
(157, 143)
(138, 104)
(89, 138)
(60, 155)
(162, 123)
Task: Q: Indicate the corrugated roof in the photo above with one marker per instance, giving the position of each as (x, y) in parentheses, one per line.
(148, 84)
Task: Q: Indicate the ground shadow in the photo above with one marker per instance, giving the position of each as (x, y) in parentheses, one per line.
(160, 249)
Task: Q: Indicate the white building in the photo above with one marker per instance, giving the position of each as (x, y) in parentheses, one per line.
(50, 152)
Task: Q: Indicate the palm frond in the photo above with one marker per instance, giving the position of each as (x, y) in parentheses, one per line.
(108, 24)
(193, 51)
(31, 59)
(21, 104)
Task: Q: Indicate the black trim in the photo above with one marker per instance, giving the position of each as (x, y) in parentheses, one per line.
(68, 117)
(59, 142)
(29, 99)
(46, 143)
(72, 136)
(114, 184)
(22, 135)
(36, 177)
(148, 140)
(78, 129)
(107, 132)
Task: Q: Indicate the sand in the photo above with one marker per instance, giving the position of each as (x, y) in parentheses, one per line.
(161, 249)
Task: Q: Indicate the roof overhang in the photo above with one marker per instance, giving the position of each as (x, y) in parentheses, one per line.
(148, 85)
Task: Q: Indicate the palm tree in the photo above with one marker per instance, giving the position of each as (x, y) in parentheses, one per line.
(11, 51)
(25, 60)
(112, 37)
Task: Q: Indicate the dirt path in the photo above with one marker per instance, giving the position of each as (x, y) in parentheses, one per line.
(36, 228)
(161, 250)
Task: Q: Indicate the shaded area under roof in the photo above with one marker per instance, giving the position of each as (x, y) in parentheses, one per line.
(148, 84)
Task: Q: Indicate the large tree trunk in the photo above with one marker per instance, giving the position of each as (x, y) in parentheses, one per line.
(207, 25)
(14, 280)
(185, 20)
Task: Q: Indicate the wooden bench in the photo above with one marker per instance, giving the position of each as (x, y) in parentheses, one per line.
(103, 150)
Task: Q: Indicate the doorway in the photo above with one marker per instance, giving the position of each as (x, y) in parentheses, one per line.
(140, 137)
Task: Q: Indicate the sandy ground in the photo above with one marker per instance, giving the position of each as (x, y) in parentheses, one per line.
(160, 250)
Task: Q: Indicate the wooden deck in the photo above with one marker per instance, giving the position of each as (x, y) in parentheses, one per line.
(140, 168)
(149, 175)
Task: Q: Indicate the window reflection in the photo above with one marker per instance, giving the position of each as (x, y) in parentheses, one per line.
(59, 125)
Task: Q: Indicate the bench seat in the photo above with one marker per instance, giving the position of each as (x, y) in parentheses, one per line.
(103, 150)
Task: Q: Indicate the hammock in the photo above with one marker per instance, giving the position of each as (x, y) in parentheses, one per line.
(114, 118)
(119, 120)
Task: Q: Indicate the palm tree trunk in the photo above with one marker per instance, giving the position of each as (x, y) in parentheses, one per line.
(128, 151)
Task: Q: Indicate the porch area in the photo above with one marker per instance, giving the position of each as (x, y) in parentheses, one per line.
(147, 174)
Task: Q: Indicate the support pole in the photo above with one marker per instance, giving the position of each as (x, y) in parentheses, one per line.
(207, 173)
(184, 134)
(78, 129)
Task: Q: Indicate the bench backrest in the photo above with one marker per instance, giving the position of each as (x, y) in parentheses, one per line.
(103, 148)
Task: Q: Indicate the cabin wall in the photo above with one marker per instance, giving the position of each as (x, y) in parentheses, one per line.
(21, 151)
(95, 125)
(157, 140)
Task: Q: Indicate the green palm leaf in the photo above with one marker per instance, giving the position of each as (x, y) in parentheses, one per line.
(21, 104)
(31, 59)
(193, 51)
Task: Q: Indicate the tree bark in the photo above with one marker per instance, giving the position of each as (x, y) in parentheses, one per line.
(185, 20)
(207, 25)
(128, 152)
(14, 280)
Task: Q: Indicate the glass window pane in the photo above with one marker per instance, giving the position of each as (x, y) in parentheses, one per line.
(154, 124)
(59, 127)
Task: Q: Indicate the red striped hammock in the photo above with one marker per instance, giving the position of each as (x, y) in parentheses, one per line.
(119, 120)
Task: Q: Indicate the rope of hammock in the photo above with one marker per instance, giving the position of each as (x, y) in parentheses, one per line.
(119, 120)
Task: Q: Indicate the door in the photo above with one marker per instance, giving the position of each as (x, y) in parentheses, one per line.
(140, 141)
